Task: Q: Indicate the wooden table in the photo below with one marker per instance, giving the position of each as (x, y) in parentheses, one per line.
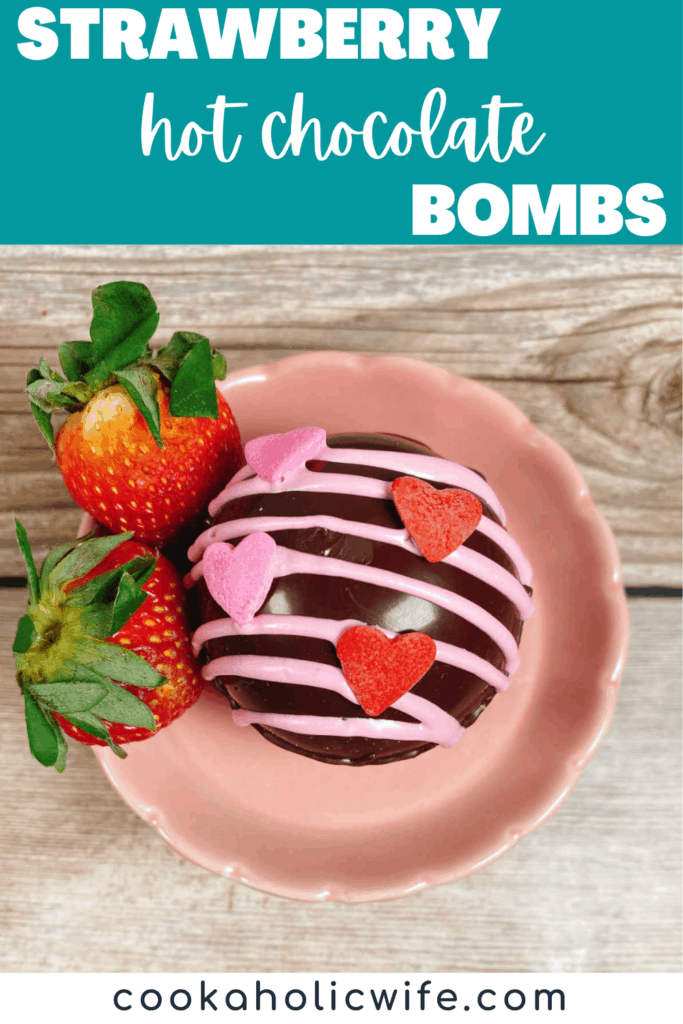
(586, 340)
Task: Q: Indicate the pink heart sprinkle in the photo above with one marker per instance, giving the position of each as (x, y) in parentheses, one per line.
(273, 456)
(239, 578)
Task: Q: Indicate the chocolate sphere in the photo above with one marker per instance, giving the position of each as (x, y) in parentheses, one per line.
(462, 694)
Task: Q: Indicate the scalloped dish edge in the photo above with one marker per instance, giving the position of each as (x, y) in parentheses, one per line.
(609, 590)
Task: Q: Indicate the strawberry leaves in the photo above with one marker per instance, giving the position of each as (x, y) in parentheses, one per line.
(24, 636)
(126, 667)
(67, 698)
(193, 392)
(169, 358)
(64, 664)
(129, 597)
(105, 699)
(119, 705)
(109, 600)
(85, 557)
(31, 572)
(42, 418)
(143, 388)
(125, 318)
(91, 724)
(75, 358)
(54, 556)
(45, 738)
(189, 365)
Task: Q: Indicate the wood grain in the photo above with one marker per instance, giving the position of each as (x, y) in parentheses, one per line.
(88, 886)
(585, 339)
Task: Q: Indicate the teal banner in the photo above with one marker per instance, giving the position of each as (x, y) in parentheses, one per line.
(531, 123)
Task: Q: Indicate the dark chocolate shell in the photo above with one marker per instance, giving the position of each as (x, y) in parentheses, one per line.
(460, 693)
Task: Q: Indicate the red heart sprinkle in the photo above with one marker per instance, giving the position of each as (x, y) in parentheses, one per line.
(380, 670)
(438, 521)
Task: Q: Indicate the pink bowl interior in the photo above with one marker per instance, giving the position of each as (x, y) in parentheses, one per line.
(227, 799)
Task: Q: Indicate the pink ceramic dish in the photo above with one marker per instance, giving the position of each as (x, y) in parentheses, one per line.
(228, 800)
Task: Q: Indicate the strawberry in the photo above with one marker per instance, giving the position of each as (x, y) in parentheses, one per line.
(103, 652)
(113, 469)
(148, 441)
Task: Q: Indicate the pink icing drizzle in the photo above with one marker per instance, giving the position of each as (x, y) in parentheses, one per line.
(331, 630)
(245, 483)
(464, 558)
(434, 725)
(429, 467)
(288, 563)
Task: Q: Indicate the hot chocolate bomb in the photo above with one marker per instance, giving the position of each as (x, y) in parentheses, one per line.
(332, 553)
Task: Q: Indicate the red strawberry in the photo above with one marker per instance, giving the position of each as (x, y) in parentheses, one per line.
(149, 441)
(114, 470)
(103, 652)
